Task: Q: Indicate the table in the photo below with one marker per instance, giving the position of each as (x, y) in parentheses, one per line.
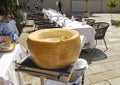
(8, 76)
(66, 23)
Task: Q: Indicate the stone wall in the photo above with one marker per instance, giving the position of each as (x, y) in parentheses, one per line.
(75, 5)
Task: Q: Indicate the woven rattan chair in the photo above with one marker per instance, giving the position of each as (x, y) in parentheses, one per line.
(78, 18)
(44, 26)
(69, 15)
(42, 22)
(101, 28)
(35, 16)
(90, 21)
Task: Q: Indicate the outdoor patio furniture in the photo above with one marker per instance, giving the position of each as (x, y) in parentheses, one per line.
(101, 28)
(69, 15)
(90, 21)
(35, 16)
(39, 24)
(78, 18)
(47, 26)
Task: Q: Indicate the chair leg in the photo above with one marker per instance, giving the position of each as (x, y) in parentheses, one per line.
(96, 43)
(105, 44)
(82, 82)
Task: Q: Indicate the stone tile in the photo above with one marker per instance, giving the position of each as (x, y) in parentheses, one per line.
(28, 29)
(115, 81)
(30, 22)
(110, 59)
(104, 66)
(102, 83)
(88, 72)
(22, 40)
(87, 81)
(96, 68)
(36, 81)
(27, 79)
(102, 76)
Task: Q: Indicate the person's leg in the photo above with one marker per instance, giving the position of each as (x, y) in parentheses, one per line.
(28, 7)
(37, 8)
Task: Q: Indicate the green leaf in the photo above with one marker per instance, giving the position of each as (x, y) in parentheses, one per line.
(112, 3)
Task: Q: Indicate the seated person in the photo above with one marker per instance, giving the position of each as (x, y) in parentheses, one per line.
(12, 24)
(6, 31)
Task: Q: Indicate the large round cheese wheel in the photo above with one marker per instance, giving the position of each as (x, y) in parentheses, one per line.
(54, 48)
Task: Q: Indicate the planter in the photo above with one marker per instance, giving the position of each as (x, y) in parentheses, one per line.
(86, 14)
(113, 22)
(118, 23)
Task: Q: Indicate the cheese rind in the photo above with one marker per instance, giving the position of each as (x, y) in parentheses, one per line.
(54, 48)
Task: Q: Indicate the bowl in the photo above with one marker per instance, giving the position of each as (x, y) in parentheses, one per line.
(54, 48)
(5, 42)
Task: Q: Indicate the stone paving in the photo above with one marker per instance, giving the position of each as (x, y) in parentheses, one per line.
(104, 67)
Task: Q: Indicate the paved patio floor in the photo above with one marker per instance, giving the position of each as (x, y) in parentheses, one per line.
(104, 67)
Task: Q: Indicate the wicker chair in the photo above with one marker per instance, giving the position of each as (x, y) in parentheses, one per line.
(35, 16)
(90, 21)
(78, 18)
(69, 15)
(101, 28)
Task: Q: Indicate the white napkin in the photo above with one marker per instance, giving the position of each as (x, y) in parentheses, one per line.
(64, 23)
(83, 21)
(64, 15)
(72, 18)
(57, 19)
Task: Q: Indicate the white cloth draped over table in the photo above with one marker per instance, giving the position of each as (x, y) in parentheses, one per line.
(8, 76)
(66, 23)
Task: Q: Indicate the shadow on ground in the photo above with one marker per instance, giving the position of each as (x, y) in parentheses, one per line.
(93, 55)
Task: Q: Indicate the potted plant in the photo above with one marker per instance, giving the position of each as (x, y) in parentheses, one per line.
(112, 4)
(86, 12)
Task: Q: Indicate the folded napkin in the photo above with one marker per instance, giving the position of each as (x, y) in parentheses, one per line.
(83, 21)
(72, 18)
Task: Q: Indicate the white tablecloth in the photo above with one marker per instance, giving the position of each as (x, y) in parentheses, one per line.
(82, 28)
(8, 76)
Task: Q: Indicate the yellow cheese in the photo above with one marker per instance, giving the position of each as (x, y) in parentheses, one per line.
(54, 48)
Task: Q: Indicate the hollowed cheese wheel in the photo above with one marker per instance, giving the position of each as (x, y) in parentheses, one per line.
(54, 48)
